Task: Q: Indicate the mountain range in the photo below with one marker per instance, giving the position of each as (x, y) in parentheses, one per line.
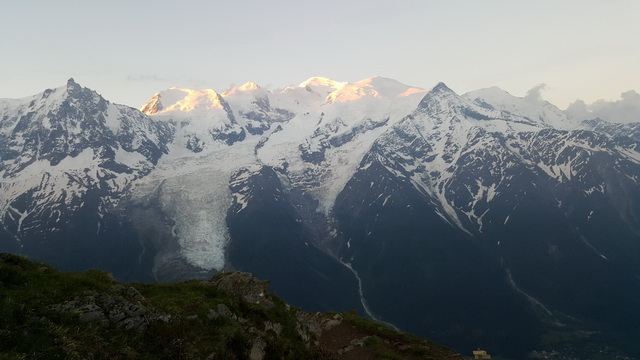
(476, 220)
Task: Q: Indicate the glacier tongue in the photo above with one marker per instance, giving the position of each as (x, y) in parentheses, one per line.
(194, 193)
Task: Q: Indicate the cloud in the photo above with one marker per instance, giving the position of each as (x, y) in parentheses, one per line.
(535, 93)
(625, 110)
(145, 78)
(197, 83)
(578, 110)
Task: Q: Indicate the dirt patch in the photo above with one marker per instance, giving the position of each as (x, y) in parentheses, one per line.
(343, 340)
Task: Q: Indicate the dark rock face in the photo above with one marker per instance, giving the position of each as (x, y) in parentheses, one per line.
(81, 239)
(229, 137)
(399, 245)
(271, 241)
(262, 116)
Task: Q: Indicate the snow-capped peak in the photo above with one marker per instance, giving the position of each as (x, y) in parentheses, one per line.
(75, 91)
(322, 85)
(72, 83)
(183, 100)
(57, 95)
(49, 100)
(441, 86)
(441, 98)
(70, 89)
(389, 87)
(153, 106)
(249, 86)
(377, 87)
(321, 81)
(493, 92)
(535, 109)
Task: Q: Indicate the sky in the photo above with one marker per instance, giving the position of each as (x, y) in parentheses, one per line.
(129, 50)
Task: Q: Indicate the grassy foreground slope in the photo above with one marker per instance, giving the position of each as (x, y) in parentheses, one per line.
(49, 314)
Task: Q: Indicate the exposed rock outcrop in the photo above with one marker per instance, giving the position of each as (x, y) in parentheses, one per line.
(122, 306)
(244, 285)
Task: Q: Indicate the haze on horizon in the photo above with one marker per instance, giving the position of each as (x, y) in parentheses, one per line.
(128, 51)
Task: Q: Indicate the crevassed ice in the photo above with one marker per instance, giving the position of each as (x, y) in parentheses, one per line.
(194, 193)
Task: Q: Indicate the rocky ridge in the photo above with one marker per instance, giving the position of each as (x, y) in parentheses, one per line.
(55, 315)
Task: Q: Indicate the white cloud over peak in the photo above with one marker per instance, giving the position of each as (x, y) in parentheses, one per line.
(625, 110)
(535, 93)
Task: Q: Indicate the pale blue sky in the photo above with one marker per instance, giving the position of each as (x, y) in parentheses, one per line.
(128, 50)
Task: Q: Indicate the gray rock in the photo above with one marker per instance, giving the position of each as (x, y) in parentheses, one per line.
(275, 327)
(224, 311)
(136, 310)
(134, 323)
(257, 349)
(244, 285)
(133, 294)
(327, 325)
(116, 317)
(123, 308)
(353, 344)
(212, 315)
(308, 326)
(165, 318)
(92, 316)
(359, 342)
